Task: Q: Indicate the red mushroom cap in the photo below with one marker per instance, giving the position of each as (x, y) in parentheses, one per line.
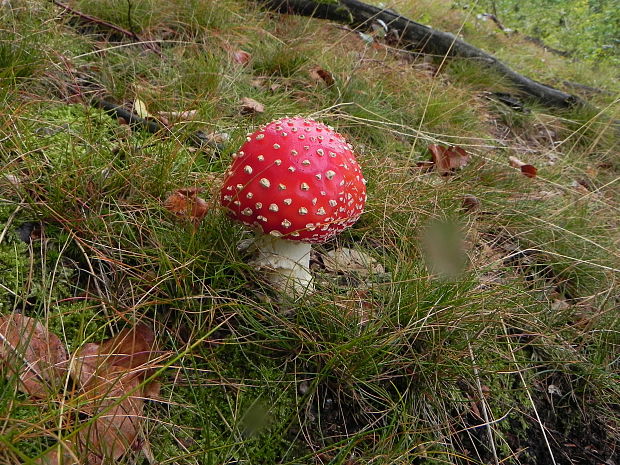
(297, 179)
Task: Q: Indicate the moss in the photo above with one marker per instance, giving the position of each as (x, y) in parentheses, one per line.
(244, 419)
(14, 263)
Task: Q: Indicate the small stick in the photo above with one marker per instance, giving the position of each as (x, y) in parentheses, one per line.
(92, 19)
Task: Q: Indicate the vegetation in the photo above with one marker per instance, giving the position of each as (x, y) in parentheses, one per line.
(587, 29)
(490, 336)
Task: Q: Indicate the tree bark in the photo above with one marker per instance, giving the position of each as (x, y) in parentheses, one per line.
(416, 36)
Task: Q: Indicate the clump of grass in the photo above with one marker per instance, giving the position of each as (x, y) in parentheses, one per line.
(478, 76)
(412, 365)
(19, 59)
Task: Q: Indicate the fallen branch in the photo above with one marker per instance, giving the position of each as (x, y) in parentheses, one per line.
(132, 119)
(100, 22)
(417, 36)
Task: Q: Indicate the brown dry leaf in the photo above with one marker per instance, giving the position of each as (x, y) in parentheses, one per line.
(528, 170)
(471, 203)
(318, 74)
(250, 106)
(186, 204)
(241, 57)
(111, 376)
(37, 356)
(448, 159)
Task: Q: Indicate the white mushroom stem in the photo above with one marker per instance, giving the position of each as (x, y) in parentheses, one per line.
(286, 263)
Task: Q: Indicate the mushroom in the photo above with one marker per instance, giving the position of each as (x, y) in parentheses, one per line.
(296, 182)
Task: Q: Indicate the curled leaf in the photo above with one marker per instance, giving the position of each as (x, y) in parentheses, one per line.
(320, 75)
(30, 351)
(250, 106)
(471, 203)
(186, 204)
(528, 170)
(241, 57)
(139, 108)
(448, 159)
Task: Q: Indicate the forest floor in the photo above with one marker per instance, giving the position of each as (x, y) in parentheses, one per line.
(479, 324)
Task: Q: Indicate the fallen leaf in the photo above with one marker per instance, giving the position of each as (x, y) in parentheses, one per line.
(345, 260)
(218, 139)
(250, 106)
(13, 180)
(139, 108)
(186, 204)
(528, 170)
(471, 203)
(241, 57)
(258, 83)
(448, 159)
(580, 187)
(112, 377)
(29, 350)
(318, 74)
(187, 115)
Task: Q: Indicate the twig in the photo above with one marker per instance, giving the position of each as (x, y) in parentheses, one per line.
(129, 21)
(92, 19)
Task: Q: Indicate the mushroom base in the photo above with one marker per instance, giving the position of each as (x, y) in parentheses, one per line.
(286, 263)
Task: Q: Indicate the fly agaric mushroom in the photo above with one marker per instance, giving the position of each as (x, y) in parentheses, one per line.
(296, 182)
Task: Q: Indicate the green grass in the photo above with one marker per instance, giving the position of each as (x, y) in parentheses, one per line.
(489, 322)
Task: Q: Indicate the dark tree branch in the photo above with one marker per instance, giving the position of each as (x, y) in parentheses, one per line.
(117, 111)
(419, 37)
(197, 139)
